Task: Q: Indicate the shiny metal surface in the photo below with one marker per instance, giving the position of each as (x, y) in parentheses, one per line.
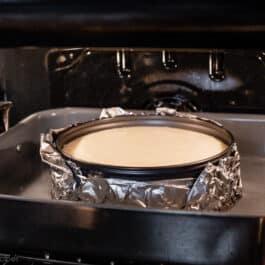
(4, 115)
(186, 88)
(233, 237)
(169, 60)
(123, 69)
(213, 185)
(32, 177)
(216, 66)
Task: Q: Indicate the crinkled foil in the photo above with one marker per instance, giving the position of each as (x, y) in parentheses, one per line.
(217, 187)
(63, 182)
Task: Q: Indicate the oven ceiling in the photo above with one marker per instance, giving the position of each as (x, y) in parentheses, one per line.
(157, 23)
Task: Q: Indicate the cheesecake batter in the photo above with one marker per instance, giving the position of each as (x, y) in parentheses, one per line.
(144, 146)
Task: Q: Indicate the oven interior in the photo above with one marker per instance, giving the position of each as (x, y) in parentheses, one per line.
(206, 80)
(55, 87)
(61, 62)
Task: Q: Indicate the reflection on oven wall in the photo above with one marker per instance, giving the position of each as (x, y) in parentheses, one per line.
(24, 81)
(217, 81)
(229, 81)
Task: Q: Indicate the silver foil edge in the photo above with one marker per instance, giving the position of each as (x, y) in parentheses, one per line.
(217, 187)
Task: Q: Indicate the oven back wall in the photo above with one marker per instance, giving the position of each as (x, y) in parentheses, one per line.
(143, 79)
(37, 78)
(24, 80)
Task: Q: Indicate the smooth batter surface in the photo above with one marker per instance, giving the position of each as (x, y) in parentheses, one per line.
(144, 146)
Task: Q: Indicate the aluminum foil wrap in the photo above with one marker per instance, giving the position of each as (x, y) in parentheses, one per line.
(217, 187)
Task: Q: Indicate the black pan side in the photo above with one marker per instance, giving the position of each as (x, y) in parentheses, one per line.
(146, 173)
(67, 231)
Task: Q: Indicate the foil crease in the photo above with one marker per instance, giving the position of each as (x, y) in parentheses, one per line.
(63, 182)
(114, 112)
(151, 194)
(217, 187)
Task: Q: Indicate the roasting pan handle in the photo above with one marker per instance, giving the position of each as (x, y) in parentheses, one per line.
(4, 115)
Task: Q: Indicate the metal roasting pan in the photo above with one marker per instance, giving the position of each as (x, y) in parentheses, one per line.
(31, 224)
